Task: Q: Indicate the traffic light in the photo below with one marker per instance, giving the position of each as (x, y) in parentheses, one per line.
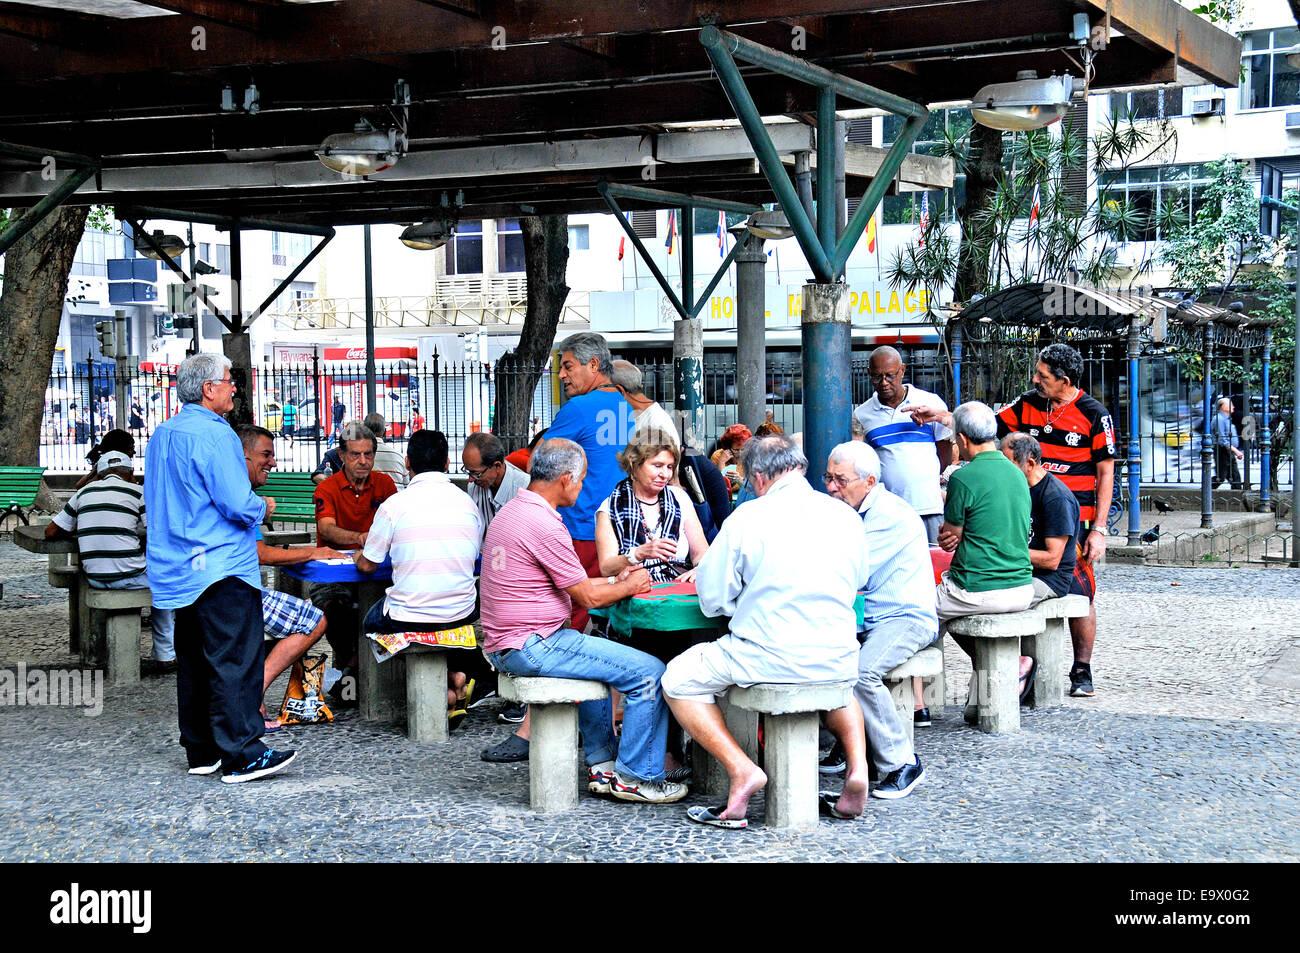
(107, 335)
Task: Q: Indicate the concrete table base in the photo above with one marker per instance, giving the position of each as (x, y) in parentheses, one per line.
(790, 743)
(553, 748)
(381, 686)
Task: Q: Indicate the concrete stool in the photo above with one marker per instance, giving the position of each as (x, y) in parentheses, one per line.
(426, 692)
(1048, 649)
(790, 743)
(924, 664)
(997, 663)
(553, 748)
(121, 608)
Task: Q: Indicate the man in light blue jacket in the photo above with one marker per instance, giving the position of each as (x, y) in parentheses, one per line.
(202, 561)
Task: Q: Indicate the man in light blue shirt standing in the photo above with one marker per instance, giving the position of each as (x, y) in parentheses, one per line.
(202, 560)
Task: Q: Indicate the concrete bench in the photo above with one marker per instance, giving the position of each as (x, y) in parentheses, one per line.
(996, 680)
(1048, 648)
(121, 609)
(926, 663)
(790, 743)
(553, 745)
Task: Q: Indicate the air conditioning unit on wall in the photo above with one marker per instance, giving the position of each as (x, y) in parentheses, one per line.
(1211, 106)
(1293, 122)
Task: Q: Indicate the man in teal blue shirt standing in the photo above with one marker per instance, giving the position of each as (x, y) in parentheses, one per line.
(598, 419)
(202, 561)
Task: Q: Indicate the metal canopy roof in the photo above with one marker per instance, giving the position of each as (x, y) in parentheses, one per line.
(140, 85)
(1081, 311)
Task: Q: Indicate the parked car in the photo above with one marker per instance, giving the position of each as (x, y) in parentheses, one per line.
(307, 427)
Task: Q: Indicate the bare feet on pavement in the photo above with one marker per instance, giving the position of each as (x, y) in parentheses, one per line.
(741, 791)
(853, 796)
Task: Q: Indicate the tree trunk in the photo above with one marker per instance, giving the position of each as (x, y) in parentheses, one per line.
(983, 175)
(546, 257)
(31, 308)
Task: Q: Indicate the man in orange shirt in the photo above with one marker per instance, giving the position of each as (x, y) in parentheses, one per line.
(345, 507)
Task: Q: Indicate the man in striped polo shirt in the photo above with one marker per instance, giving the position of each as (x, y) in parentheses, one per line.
(1077, 437)
(107, 517)
(911, 455)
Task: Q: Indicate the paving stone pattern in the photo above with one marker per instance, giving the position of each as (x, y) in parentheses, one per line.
(1182, 756)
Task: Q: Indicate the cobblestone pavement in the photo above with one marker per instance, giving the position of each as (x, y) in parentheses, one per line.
(1188, 752)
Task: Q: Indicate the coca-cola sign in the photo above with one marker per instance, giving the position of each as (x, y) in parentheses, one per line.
(360, 354)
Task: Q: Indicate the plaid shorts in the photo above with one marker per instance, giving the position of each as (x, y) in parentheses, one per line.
(283, 614)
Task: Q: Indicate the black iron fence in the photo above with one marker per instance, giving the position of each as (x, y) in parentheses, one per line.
(304, 404)
(1170, 395)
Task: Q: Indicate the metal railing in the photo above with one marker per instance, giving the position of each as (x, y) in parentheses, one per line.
(460, 397)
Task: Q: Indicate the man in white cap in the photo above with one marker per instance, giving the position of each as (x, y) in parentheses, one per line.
(107, 517)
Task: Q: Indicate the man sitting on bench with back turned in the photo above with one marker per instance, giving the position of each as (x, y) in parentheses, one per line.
(786, 567)
(431, 530)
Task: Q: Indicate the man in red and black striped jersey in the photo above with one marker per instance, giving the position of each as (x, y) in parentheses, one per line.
(1078, 441)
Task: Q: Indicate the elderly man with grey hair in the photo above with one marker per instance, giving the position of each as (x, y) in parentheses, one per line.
(786, 568)
(899, 613)
(531, 578)
(493, 481)
(650, 415)
(202, 562)
(600, 421)
(986, 526)
(345, 507)
(387, 460)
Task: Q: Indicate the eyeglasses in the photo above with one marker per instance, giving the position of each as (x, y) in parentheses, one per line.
(476, 474)
(222, 380)
(877, 378)
(830, 479)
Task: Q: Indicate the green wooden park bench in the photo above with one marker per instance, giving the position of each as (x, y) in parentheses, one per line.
(18, 489)
(292, 493)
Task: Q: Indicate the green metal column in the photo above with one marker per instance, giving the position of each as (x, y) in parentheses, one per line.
(827, 361)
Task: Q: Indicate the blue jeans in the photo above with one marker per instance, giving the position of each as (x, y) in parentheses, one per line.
(570, 654)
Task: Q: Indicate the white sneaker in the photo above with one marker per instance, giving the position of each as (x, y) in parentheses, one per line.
(600, 777)
(648, 792)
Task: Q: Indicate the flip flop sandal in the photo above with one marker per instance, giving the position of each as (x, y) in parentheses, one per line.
(269, 726)
(1028, 679)
(467, 695)
(454, 718)
(711, 816)
(826, 805)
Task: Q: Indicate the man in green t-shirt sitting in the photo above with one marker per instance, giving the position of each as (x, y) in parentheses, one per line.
(986, 524)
